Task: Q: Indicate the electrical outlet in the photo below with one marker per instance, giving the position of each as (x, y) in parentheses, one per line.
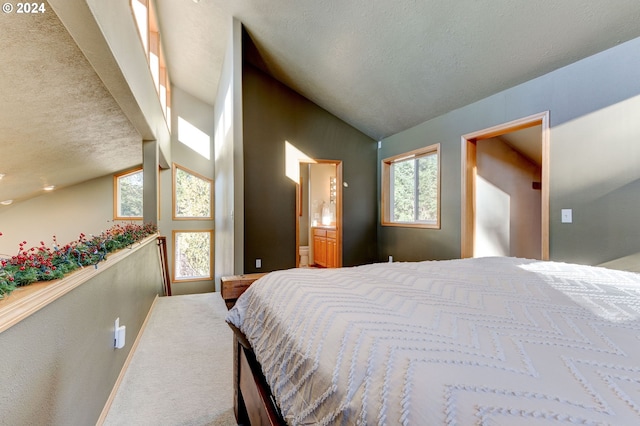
(119, 336)
(258, 263)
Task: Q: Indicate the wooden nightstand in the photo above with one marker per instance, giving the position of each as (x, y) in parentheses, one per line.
(233, 286)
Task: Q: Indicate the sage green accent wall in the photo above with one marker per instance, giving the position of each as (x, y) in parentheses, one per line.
(274, 114)
(594, 105)
(59, 364)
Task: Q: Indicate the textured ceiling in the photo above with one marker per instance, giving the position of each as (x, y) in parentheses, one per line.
(58, 124)
(381, 66)
(384, 66)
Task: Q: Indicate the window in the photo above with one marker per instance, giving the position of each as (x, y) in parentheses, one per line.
(191, 194)
(411, 189)
(192, 255)
(128, 195)
(140, 12)
(147, 24)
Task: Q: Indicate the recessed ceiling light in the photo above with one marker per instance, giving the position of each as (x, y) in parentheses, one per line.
(49, 188)
(6, 202)
(2, 175)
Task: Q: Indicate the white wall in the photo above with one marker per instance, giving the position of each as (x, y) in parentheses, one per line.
(229, 170)
(201, 116)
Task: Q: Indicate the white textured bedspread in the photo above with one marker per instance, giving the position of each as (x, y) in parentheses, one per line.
(491, 341)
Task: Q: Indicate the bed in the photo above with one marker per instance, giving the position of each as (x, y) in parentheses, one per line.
(460, 342)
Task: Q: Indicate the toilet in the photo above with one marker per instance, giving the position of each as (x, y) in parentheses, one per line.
(304, 256)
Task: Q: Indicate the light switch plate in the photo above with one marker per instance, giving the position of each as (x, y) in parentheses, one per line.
(567, 216)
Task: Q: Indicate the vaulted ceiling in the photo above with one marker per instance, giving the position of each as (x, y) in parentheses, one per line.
(384, 66)
(381, 66)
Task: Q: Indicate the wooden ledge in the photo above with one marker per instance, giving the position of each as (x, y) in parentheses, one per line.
(27, 300)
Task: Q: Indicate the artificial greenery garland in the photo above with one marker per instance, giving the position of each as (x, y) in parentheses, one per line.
(42, 263)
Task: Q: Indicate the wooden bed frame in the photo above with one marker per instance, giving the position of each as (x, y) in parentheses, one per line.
(253, 402)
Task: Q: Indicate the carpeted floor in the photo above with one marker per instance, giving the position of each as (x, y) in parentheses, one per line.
(181, 372)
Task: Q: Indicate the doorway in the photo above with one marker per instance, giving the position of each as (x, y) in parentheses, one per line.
(319, 214)
(505, 190)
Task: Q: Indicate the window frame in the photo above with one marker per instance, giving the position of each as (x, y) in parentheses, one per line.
(144, 12)
(386, 190)
(116, 194)
(174, 207)
(174, 268)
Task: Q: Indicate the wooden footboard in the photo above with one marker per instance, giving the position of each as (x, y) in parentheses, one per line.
(253, 402)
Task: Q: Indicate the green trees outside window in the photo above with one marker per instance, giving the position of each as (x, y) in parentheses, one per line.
(192, 201)
(415, 189)
(411, 188)
(192, 255)
(192, 196)
(129, 187)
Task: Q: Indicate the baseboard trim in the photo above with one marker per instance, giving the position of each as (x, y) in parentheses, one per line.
(116, 386)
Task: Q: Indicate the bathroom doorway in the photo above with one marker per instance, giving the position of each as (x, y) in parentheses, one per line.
(319, 214)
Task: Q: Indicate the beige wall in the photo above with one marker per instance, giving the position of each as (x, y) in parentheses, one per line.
(59, 364)
(508, 220)
(65, 213)
(319, 180)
